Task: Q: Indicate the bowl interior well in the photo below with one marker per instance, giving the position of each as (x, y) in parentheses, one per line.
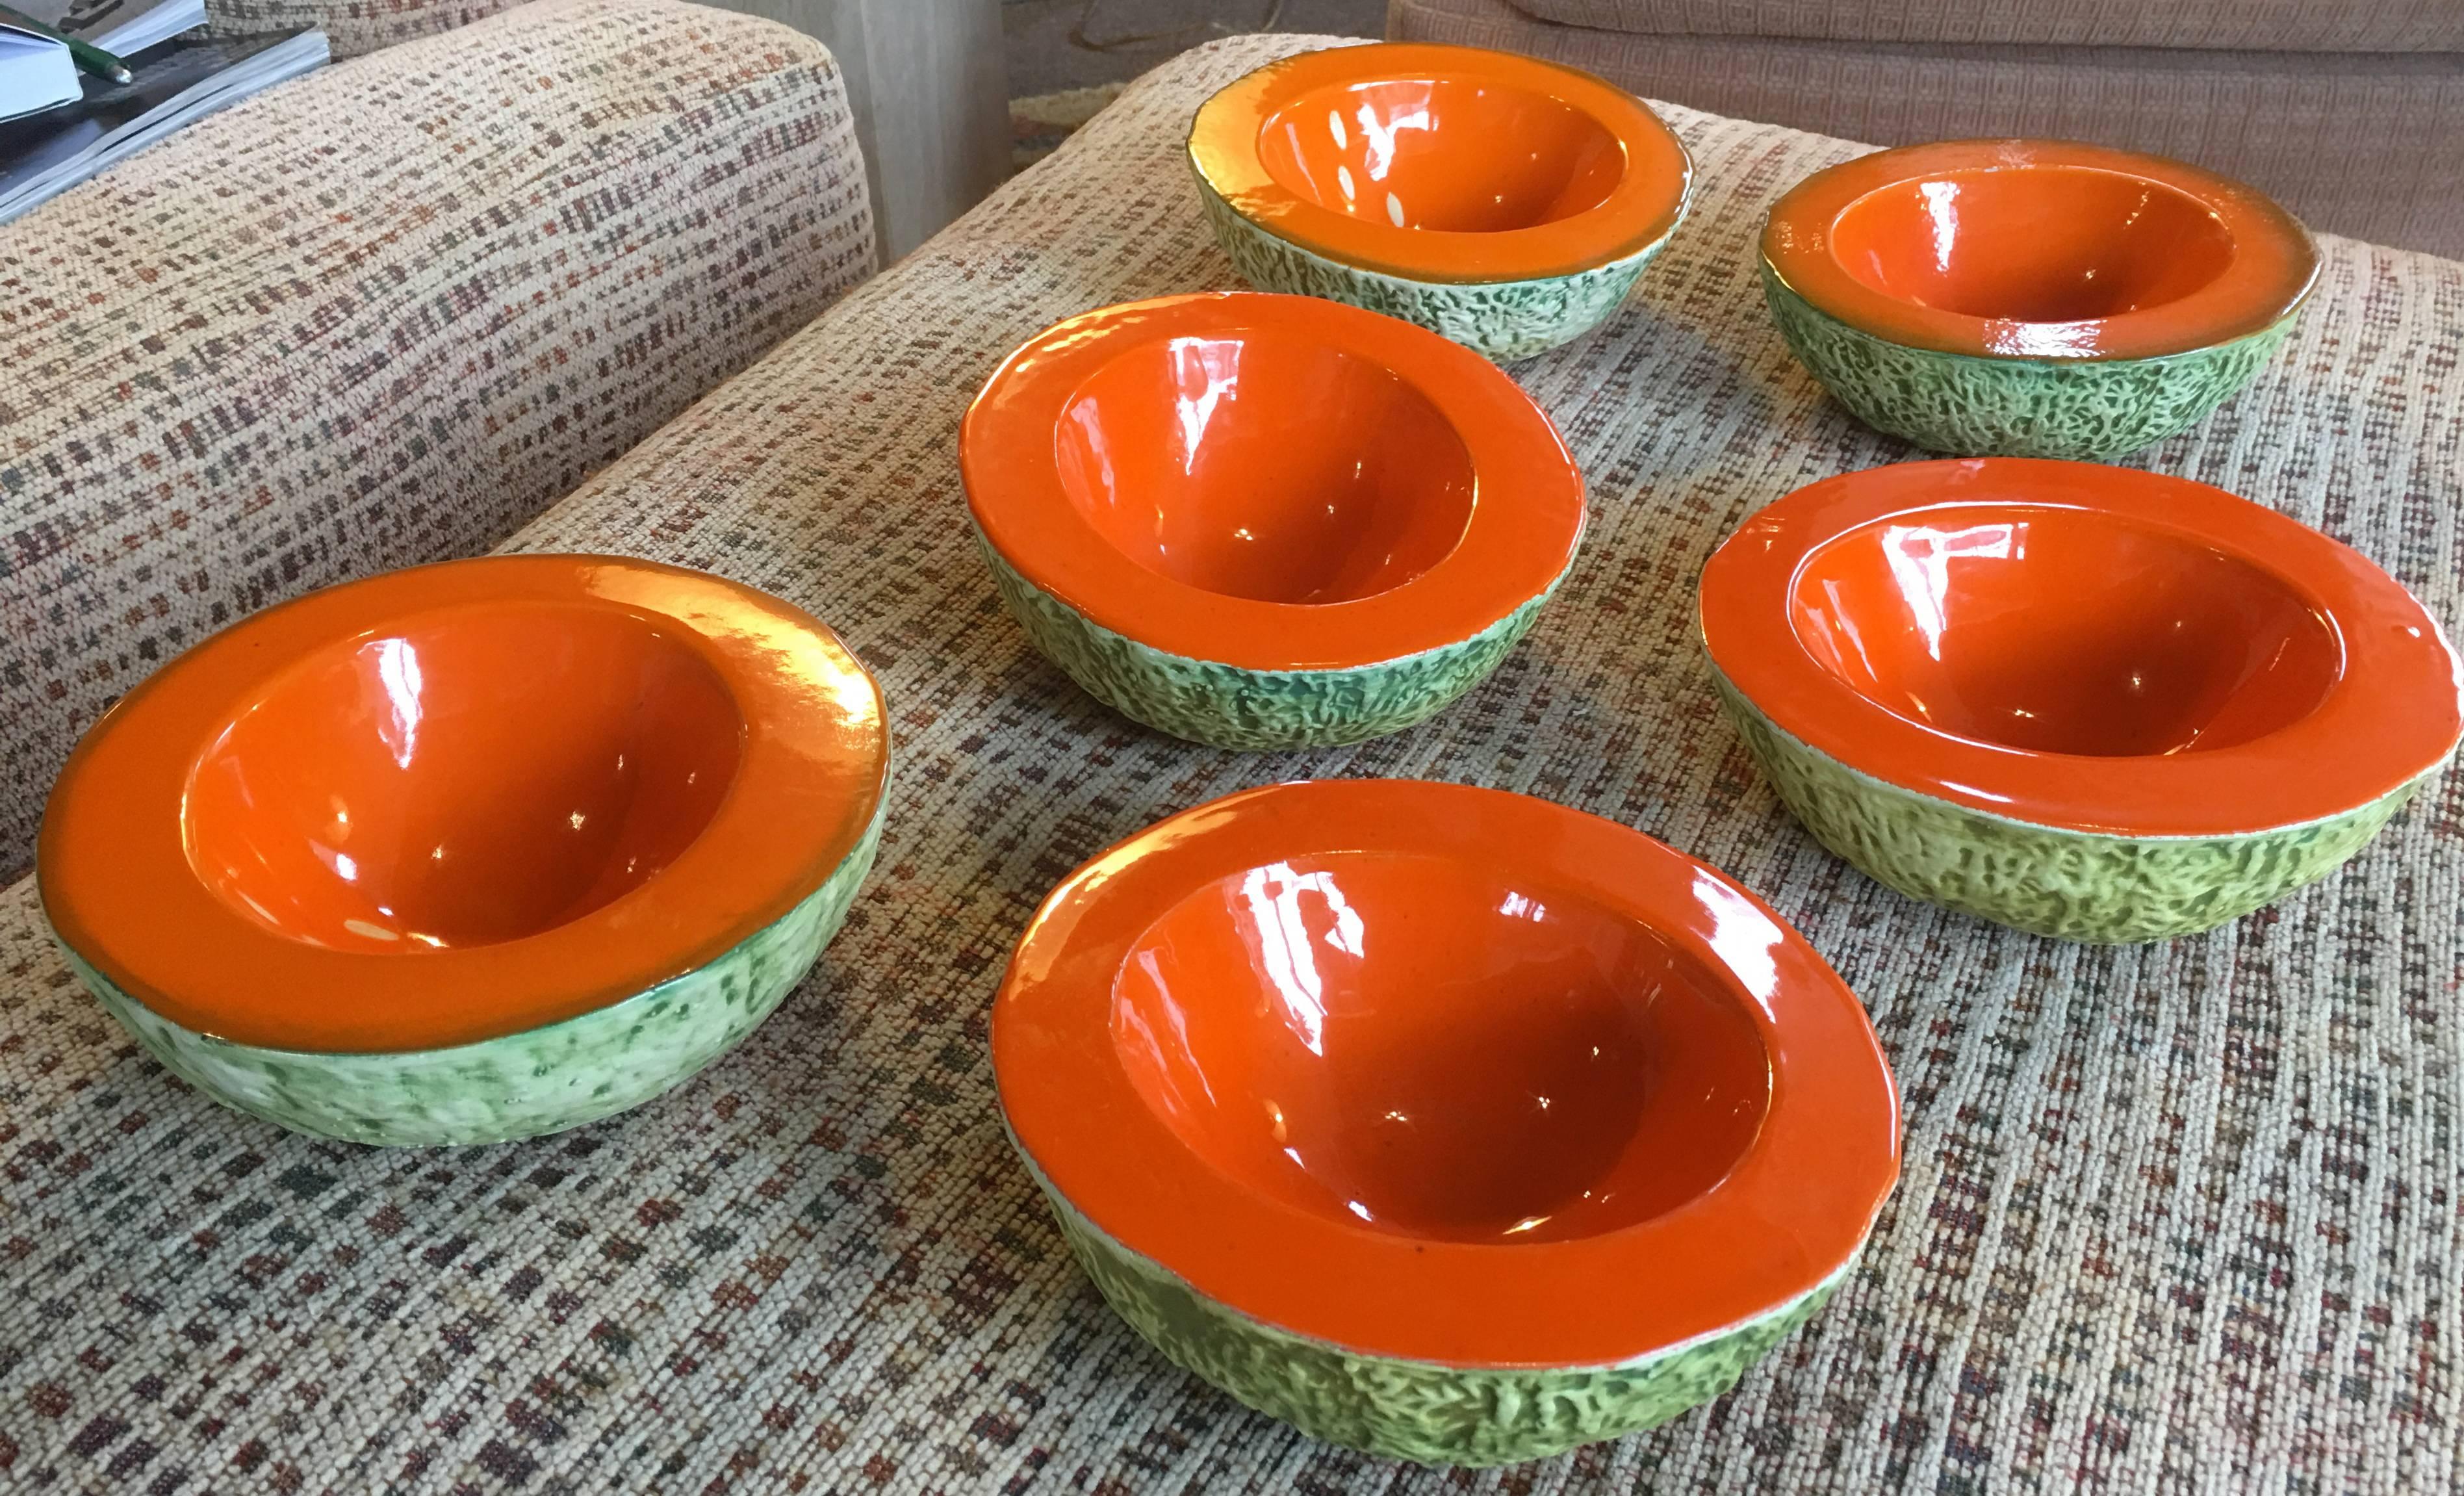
(1264, 464)
(1432, 1048)
(1448, 154)
(473, 776)
(2063, 631)
(2031, 244)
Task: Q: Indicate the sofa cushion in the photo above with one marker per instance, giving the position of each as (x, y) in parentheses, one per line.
(2252, 25)
(2176, 1217)
(351, 27)
(2312, 129)
(383, 315)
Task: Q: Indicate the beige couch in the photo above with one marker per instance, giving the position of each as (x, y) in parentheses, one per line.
(384, 314)
(2351, 113)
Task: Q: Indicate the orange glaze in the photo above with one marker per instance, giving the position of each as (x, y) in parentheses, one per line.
(1445, 163)
(462, 801)
(2094, 647)
(2039, 249)
(1271, 482)
(1445, 1074)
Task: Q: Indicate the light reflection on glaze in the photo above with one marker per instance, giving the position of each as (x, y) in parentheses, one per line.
(2062, 630)
(1432, 1048)
(1266, 465)
(476, 776)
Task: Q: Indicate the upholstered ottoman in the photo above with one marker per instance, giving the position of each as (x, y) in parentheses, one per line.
(2179, 1217)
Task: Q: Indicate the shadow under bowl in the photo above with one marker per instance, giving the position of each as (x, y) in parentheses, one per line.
(1442, 1122)
(2032, 298)
(1264, 521)
(1505, 202)
(471, 852)
(2094, 703)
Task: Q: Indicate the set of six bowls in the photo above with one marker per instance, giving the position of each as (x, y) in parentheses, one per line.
(1439, 1121)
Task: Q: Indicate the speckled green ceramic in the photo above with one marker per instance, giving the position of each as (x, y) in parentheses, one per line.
(2070, 885)
(1417, 1410)
(2087, 409)
(1505, 319)
(1230, 707)
(543, 1080)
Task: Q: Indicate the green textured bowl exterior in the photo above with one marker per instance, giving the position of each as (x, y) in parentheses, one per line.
(1506, 320)
(2080, 886)
(1417, 1410)
(1230, 707)
(542, 1080)
(1967, 406)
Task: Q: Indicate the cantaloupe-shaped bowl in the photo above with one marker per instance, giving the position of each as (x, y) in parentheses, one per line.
(2032, 298)
(471, 852)
(1506, 202)
(1265, 522)
(2091, 702)
(1442, 1122)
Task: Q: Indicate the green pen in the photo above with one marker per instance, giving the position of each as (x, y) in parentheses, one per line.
(85, 53)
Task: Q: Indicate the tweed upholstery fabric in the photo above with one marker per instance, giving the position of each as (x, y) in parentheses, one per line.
(2253, 24)
(2174, 1218)
(382, 316)
(2312, 128)
(351, 27)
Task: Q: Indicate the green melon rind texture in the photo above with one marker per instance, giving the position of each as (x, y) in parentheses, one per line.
(1417, 1410)
(543, 1080)
(2081, 410)
(1505, 319)
(2082, 886)
(1230, 707)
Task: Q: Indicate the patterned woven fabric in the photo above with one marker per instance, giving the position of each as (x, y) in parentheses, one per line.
(2310, 128)
(351, 27)
(2174, 1218)
(2258, 25)
(384, 314)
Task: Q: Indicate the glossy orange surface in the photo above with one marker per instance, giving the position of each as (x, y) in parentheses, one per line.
(1443, 163)
(461, 800)
(2039, 249)
(1273, 482)
(1445, 1073)
(1288, 470)
(2079, 646)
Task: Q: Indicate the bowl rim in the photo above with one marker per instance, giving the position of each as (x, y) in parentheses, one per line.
(1794, 1208)
(1526, 517)
(118, 891)
(1646, 205)
(2273, 269)
(2392, 715)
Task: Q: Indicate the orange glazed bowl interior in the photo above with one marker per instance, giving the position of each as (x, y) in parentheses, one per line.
(2063, 631)
(471, 776)
(1455, 154)
(1435, 1049)
(2054, 244)
(1266, 465)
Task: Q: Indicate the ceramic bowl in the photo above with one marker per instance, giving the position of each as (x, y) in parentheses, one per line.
(2091, 702)
(1442, 1122)
(471, 852)
(2032, 298)
(1506, 202)
(1264, 521)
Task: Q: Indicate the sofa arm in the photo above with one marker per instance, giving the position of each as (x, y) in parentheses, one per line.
(384, 314)
(351, 27)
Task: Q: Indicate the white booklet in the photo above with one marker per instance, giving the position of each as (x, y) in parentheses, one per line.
(120, 27)
(35, 72)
